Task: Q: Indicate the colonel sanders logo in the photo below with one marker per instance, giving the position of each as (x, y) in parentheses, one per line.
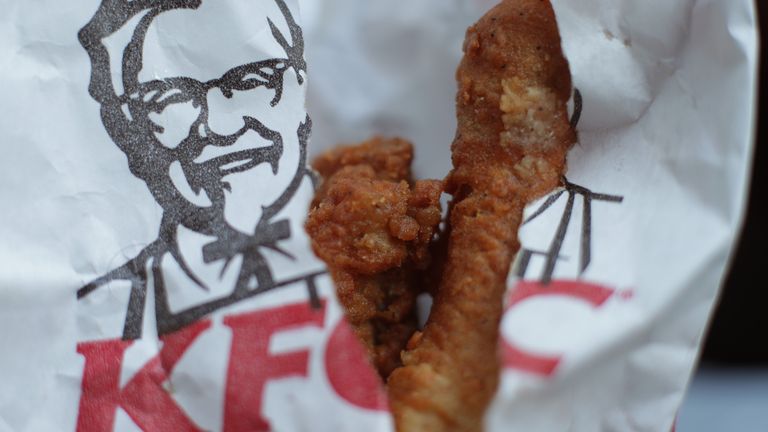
(201, 117)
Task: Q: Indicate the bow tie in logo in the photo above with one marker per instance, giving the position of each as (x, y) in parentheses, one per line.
(228, 247)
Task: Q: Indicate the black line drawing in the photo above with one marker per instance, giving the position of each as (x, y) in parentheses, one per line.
(127, 117)
(552, 255)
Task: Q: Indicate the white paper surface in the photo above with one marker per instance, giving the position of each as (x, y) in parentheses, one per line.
(89, 186)
(154, 270)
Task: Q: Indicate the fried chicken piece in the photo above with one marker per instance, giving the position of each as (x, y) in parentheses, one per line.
(373, 230)
(390, 158)
(510, 147)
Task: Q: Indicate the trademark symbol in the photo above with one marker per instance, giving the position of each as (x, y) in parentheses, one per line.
(626, 294)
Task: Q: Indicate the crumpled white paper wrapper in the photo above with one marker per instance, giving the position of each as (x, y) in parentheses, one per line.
(608, 344)
(664, 154)
(142, 137)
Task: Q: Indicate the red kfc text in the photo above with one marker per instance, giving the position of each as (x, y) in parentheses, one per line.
(515, 357)
(250, 366)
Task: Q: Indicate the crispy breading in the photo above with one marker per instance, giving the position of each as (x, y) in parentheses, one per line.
(390, 158)
(373, 230)
(510, 147)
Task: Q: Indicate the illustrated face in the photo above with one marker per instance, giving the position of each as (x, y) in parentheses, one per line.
(220, 117)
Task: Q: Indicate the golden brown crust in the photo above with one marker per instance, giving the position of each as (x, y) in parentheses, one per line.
(353, 217)
(513, 135)
(390, 158)
(373, 230)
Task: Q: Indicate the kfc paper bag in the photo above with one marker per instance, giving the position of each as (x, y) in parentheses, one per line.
(155, 274)
(619, 269)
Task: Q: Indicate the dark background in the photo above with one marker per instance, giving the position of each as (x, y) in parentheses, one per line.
(739, 331)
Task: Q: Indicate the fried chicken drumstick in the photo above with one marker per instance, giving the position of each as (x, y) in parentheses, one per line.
(510, 148)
